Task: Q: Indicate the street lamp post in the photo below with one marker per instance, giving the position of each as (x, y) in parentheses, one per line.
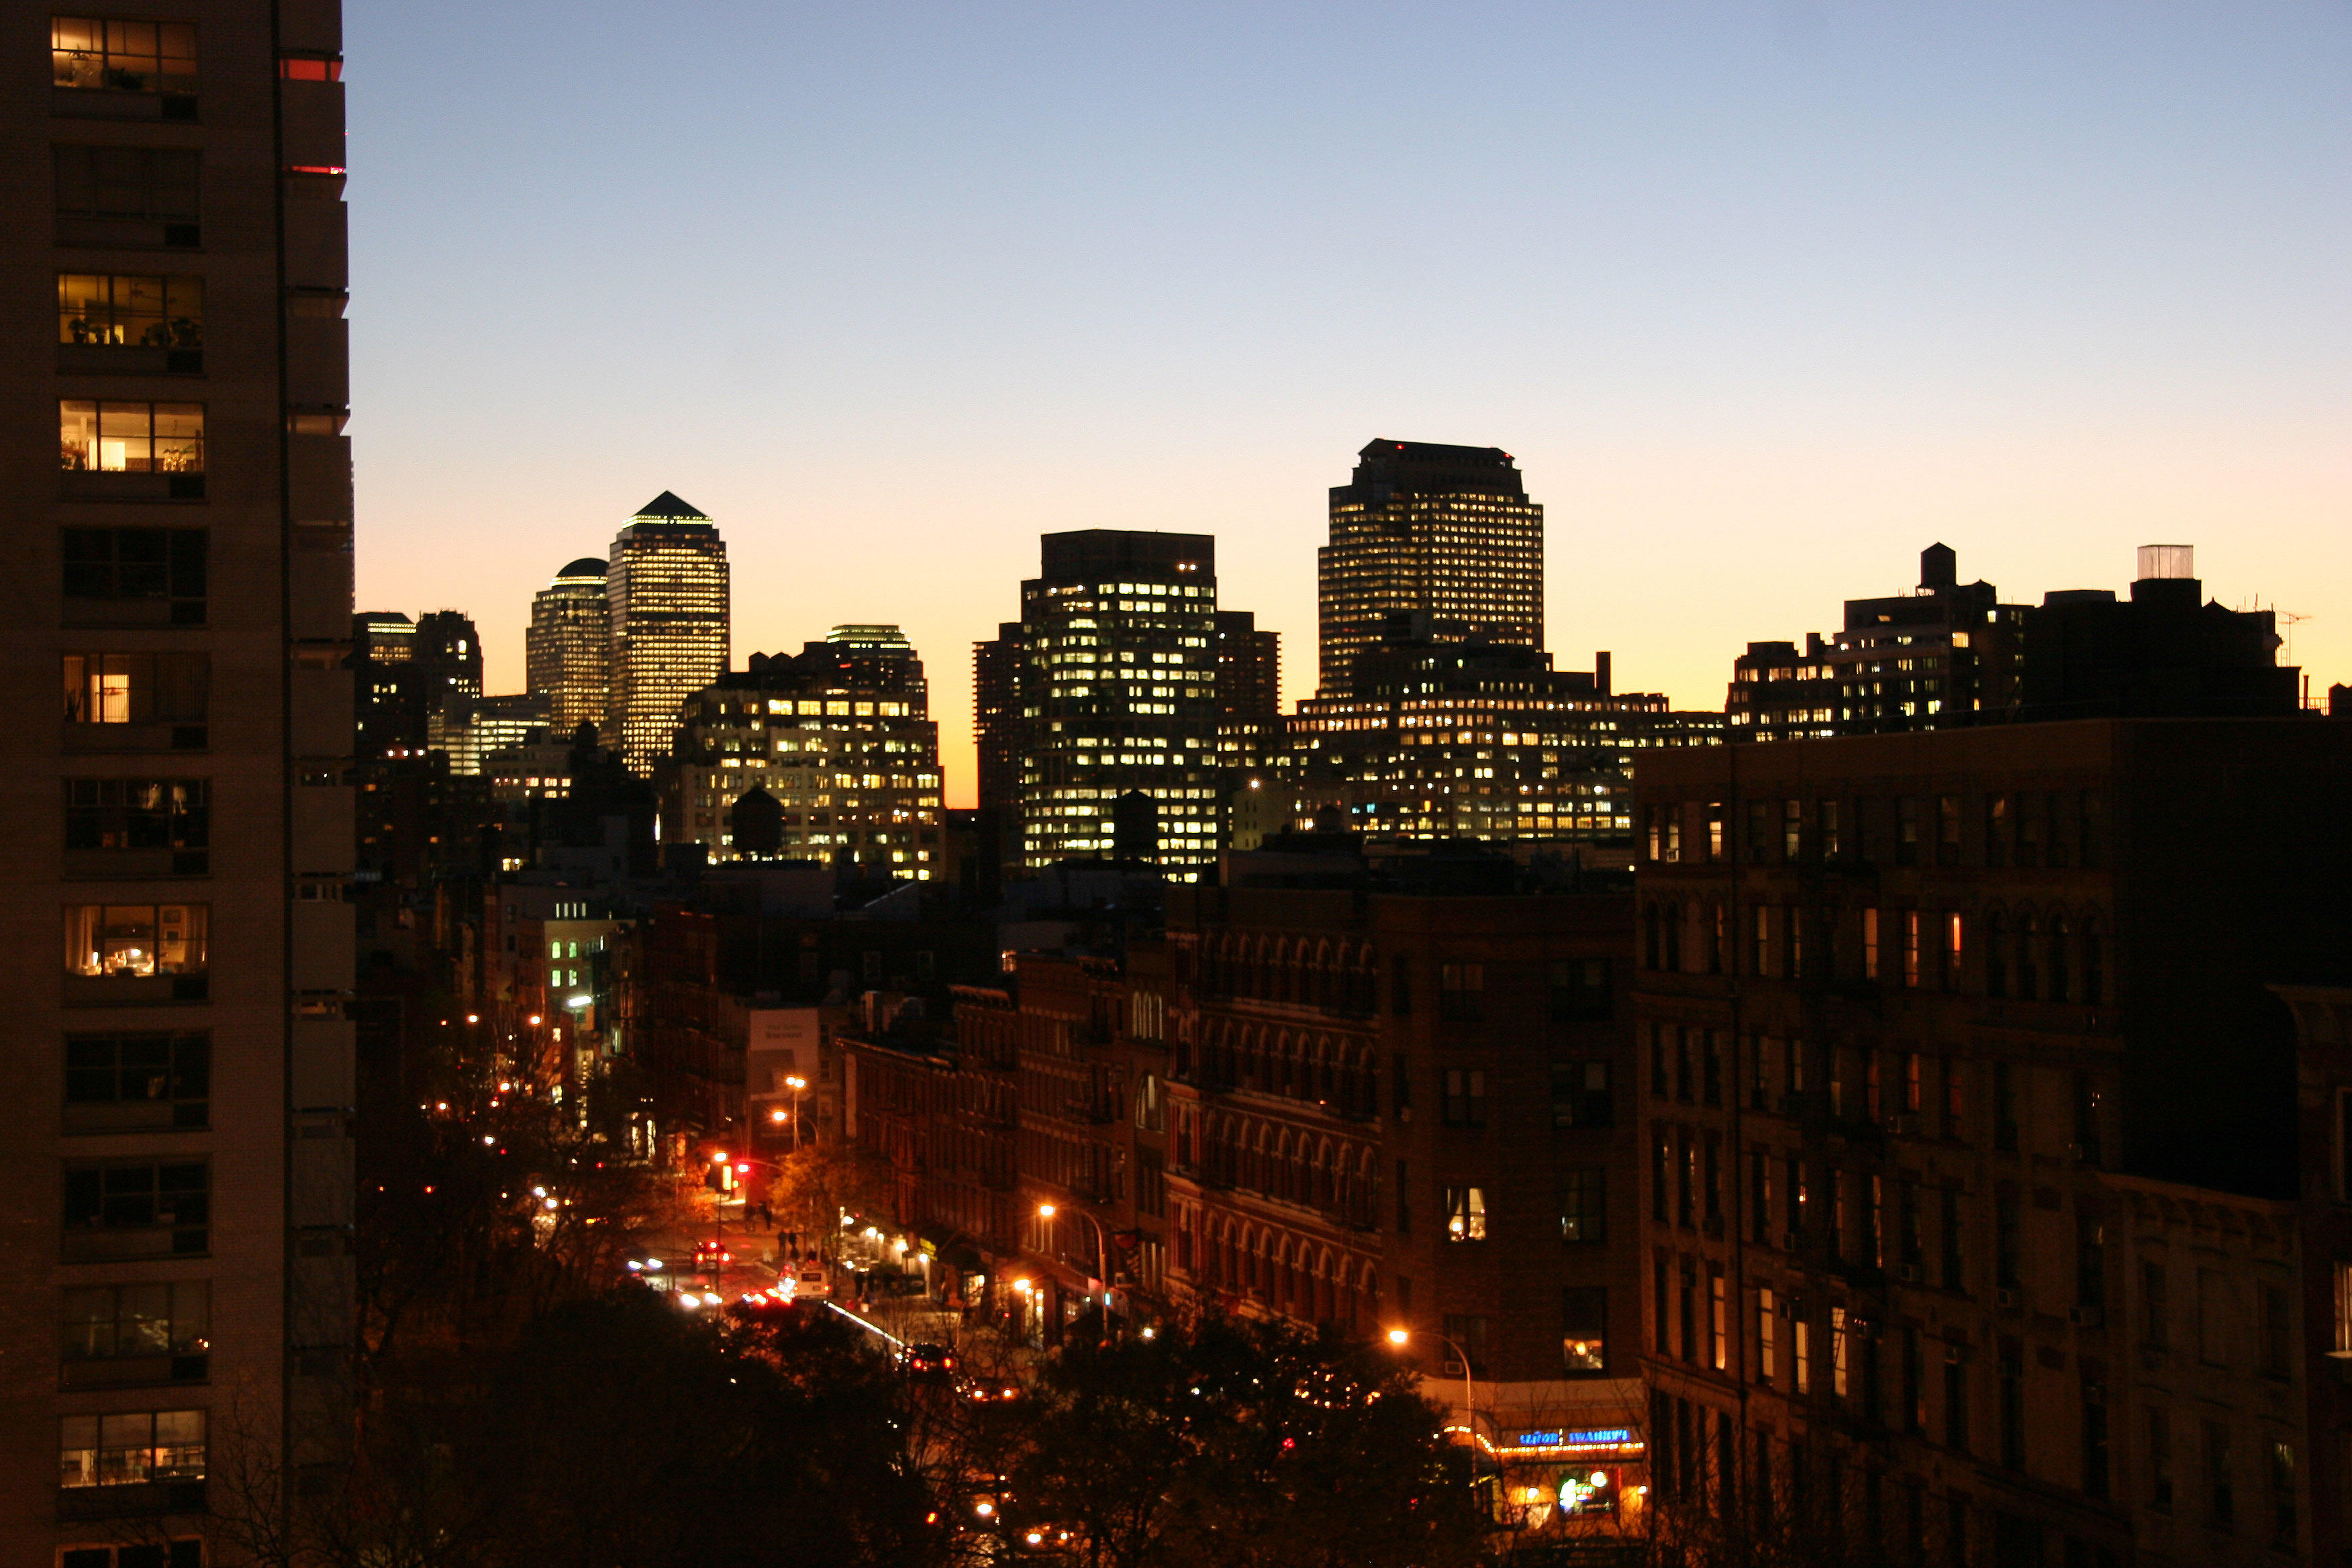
(1102, 1246)
(719, 1214)
(1469, 1393)
(799, 1086)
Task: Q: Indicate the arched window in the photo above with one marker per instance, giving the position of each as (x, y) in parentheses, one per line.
(2029, 958)
(1996, 953)
(1652, 949)
(2094, 963)
(1673, 924)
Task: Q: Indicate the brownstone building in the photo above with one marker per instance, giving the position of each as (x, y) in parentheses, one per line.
(1383, 1098)
(177, 835)
(1968, 1123)
(940, 1106)
(1398, 1100)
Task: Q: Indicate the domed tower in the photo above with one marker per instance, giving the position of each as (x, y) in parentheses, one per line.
(567, 652)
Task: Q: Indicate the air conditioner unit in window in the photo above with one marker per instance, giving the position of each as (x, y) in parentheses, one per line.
(2086, 1316)
(1905, 1124)
(2005, 1296)
(1908, 1273)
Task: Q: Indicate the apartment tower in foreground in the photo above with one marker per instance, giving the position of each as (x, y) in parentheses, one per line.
(175, 839)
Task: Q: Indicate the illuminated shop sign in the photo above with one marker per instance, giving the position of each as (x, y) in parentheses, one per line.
(1588, 1437)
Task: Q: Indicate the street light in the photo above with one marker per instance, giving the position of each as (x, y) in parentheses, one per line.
(799, 1086)
(1400, 1337)
(1102, 1245)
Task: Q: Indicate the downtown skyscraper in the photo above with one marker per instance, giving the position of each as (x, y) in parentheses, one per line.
(567, 652)
(176, 1068)
(840, 742)
(1113, 667)
(667, 590)
(1441, 533)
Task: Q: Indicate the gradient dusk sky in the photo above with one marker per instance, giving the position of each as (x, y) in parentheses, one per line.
(1764, 297)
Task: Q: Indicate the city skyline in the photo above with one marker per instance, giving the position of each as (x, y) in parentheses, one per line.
(1785, 296)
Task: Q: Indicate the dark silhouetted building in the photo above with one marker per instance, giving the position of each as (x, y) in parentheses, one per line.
(997, 670)
(1968, 1116)
(1929, 660)
(2164, 652)
(1249, 695)
(1952, 655)
(406, 672)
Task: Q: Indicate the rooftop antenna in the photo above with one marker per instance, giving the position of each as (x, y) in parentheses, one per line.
(2290, 617)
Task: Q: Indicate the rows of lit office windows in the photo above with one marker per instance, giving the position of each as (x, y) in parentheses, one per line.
(1179, 795)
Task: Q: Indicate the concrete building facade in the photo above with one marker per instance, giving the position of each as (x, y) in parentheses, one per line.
(178, 838)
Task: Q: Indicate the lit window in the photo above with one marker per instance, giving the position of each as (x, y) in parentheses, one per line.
(123, 57)
(131, 1449)
(132, 940)
(131, 438)
(134, 311)
(1465, 1214)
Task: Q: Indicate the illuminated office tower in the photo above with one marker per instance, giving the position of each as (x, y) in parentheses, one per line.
(1445, 532)
(666, 587)
(176, 1203)
(839, 740)
(567, 652)
(1117, 682)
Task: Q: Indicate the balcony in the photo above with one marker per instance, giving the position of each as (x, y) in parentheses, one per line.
(142, 1499)
(133, 1371)
(128, 358)
(136, 864)
(107, 1244)
(135, 990)
(85, 484)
